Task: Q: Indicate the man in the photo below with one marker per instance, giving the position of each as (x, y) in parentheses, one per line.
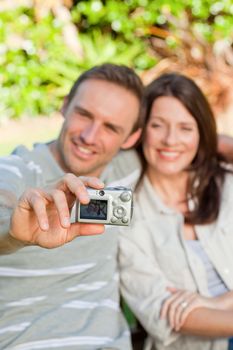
(66, 297)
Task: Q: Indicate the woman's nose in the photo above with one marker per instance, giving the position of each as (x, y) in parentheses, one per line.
(171, 136)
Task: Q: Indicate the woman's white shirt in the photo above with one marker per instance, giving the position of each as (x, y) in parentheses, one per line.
(153, 255)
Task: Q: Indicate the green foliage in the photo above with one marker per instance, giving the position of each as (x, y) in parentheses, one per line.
(212, 19)
(130, 318)
(37, 68)
(30, 81)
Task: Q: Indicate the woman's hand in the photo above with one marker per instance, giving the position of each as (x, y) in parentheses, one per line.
(181, 303)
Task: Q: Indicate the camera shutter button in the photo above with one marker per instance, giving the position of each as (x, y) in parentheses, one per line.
(125, 196)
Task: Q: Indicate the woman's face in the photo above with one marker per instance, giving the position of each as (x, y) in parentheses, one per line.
(171, 138)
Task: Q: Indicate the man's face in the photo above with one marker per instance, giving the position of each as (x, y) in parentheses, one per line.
(98, 122)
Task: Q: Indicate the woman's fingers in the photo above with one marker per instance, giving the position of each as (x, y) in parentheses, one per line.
(184, 308)
(192, 304)
(181, 303)
(174, 307)
(166, 305)
(173, 290)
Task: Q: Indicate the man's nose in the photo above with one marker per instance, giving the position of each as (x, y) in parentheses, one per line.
(90, 133)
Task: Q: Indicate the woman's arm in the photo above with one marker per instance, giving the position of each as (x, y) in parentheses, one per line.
(225, 146)
(191, 313)
(209, 323)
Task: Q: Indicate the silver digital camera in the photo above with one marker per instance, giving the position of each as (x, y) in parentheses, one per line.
(110, 206)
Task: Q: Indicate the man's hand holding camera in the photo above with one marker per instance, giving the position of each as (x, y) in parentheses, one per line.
(42, 217)
(111, 206)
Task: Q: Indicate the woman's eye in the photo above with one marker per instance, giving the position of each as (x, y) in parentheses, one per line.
(155, 125)
(186, 128)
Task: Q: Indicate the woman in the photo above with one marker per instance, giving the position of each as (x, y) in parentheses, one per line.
(177, 258)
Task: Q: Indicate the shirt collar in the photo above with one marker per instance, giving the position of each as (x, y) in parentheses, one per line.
(150, 200)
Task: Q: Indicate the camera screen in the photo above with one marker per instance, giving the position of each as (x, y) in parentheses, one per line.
(96, 210)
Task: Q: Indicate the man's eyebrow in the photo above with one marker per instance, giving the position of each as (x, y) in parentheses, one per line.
(82, 110)
(117, 128)
(112, 126)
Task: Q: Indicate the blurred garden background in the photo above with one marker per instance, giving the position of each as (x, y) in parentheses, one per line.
(46, 44)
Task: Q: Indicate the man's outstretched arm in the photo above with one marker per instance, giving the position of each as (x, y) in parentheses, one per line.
(42, 217)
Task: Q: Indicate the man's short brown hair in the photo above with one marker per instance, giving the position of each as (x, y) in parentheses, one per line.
(117, 74)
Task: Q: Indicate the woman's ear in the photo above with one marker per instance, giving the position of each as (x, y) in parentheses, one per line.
(132, 139)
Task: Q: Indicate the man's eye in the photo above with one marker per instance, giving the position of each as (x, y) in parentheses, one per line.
(111, 128)
(83, 115)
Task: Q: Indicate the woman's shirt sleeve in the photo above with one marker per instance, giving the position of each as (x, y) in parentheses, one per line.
(144, 288)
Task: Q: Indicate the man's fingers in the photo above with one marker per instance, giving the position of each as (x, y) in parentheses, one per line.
(81, 191)
(37, 202)
(80, 229)
(91, 181)
(60, 201)
(77, 186)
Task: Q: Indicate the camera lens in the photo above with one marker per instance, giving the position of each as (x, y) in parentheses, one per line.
(101, 193)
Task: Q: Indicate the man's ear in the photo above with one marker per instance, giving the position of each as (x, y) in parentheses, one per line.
(64, 106)
(132, 139)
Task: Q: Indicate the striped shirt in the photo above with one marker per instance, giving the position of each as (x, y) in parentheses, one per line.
(63, 298)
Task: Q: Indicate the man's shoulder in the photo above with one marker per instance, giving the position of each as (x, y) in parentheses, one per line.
(124, 168)
(14, 161)
(30, 165)
(24, 158)
(14, 171)
(124, 156)
(25, 154)
(39, 156)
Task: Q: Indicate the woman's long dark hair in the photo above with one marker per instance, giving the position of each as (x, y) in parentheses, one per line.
(208, 168)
